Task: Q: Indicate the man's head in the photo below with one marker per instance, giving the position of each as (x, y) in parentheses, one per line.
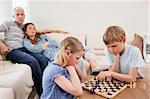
(19, 15)
(114, 39)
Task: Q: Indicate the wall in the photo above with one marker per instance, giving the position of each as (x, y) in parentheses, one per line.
(91, 17)
(5, 10)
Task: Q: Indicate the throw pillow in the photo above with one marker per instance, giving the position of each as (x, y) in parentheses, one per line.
(138, 41)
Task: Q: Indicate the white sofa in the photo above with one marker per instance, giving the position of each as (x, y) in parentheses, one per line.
(15, 80)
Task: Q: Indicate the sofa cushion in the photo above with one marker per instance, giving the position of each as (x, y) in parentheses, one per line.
(6, 93)
(18, 77)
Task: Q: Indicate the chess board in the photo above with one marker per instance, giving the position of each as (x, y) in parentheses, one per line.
(107, 88)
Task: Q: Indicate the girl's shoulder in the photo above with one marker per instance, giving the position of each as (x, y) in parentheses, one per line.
(55, 68)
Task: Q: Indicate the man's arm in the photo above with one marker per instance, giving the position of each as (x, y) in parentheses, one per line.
(3, 48)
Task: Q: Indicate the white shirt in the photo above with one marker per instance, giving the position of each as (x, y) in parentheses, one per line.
(131, 57)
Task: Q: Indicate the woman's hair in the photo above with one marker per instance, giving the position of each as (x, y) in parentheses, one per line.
(113, 34)
(70, 44)
(34, 41)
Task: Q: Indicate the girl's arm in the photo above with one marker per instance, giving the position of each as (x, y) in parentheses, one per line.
(80, 74)
(72, 86)
(38, 48)
(127, 77)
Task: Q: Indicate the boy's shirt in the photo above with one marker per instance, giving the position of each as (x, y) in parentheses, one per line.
(130, 58)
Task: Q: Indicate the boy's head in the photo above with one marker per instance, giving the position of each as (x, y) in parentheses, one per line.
(114, 39)
(70, 51)
(113, 34)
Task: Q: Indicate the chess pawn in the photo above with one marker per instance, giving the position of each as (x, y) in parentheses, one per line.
(134, 85)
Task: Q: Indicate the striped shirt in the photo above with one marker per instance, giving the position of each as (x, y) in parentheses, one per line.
(13, 34)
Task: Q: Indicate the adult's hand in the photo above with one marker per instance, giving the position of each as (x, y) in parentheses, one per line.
(3, 48)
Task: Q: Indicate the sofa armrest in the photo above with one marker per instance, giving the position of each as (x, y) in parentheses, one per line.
(6, 93)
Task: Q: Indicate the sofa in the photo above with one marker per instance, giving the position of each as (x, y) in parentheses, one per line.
(15, 80)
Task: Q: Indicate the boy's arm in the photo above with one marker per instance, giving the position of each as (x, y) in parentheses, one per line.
(130, 77)
(116, 65)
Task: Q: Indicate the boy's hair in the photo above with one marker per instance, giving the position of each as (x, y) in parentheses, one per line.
(70, 44)
(24, 29)
(113, 34)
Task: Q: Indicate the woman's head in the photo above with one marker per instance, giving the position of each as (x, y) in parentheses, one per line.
(29, 29)
(71, 49)
(30, 32)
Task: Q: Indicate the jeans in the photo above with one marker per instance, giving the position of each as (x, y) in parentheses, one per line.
(37, 62)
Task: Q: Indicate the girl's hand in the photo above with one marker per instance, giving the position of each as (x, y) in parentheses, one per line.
(102, 75)
(69, 67)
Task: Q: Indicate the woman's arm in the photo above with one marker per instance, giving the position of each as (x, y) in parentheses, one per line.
(52, 31)
(72, 86)
(38, 48)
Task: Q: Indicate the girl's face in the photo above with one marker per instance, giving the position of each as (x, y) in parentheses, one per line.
(74, 57)
(30, 31)
(116, 47)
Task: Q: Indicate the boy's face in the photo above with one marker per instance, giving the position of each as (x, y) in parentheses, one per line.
(116, 47)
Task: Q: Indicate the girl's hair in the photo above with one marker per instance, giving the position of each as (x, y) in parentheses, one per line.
(113, 34)
(34, 41)
(70, 44)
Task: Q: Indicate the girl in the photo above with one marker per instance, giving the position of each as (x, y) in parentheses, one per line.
(39, 43)
(60, 80)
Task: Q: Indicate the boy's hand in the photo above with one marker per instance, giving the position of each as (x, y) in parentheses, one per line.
(102, 75)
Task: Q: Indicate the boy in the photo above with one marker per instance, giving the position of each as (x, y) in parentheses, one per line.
(123, 59)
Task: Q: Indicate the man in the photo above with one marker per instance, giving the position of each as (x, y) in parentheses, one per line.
(14, 50)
